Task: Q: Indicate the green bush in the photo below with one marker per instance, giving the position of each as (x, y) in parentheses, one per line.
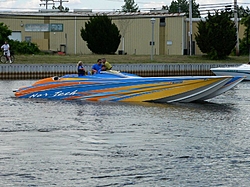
(23, 47)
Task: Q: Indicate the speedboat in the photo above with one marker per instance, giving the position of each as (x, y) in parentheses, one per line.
(117, 86)
(242, 70)
(229, 85)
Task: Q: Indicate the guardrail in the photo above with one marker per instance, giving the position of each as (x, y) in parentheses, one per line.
(38, 71)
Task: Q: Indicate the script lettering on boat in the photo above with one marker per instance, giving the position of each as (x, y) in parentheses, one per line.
(56, 94)
(36, 95)
(61, 93)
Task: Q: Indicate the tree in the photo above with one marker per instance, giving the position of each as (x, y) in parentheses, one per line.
(217, 35)
(245, 41)
(5, 32)
(182, 6)
(242, 12)
(130, 6)
(102, 36)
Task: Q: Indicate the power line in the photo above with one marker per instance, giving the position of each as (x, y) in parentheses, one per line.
(217, 4)
(202, 7)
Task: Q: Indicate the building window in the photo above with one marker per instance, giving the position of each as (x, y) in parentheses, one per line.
(162, 22)
(28, 39)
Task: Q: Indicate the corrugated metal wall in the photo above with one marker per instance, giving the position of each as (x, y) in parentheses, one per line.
(38, 71)
(138, 36)
(174, 30)
(137, 31)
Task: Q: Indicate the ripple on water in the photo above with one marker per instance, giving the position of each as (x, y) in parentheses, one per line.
(62, 143)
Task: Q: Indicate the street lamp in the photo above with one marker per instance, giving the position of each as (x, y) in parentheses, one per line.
(152, 42)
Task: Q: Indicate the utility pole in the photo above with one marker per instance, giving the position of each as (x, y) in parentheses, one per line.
(152, 41)
(60, 1)
(237, 27)
(46, 3)
(190, 26)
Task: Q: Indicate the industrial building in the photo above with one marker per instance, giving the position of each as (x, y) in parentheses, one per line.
(56, 31)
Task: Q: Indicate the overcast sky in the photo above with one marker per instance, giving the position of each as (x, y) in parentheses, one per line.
(102, 5)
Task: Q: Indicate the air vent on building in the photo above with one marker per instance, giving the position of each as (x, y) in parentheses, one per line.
(83, 10)
(49, 10)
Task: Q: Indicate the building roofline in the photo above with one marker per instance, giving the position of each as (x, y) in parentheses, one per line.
(90, 13)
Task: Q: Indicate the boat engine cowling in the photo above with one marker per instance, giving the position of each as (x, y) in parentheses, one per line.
(56, 78)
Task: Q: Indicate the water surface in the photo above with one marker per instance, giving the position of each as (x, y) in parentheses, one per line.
(69, 143)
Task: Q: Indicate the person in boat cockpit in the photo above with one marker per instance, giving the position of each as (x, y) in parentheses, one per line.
(97, 67)
(106, 65)
(80, 69)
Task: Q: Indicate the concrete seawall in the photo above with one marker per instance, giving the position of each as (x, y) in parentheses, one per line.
(38, 71)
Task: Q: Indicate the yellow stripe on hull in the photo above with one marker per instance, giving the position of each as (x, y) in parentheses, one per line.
(147, 92)
(171, 90)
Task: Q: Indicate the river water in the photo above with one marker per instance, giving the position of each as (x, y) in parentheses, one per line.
(68, 143)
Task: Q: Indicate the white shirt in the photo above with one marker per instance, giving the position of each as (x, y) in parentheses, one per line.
(5, 47)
